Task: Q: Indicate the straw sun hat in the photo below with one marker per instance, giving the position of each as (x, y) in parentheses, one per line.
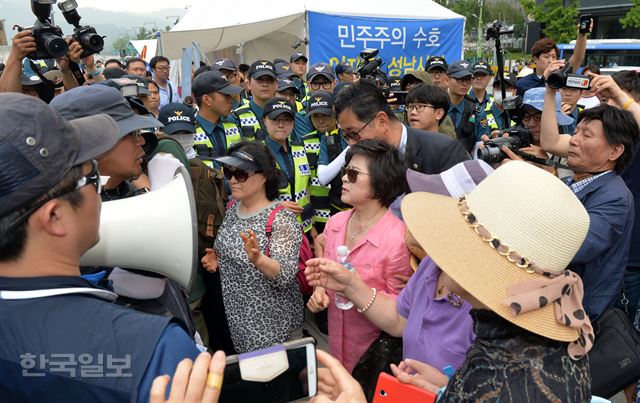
(526, 209)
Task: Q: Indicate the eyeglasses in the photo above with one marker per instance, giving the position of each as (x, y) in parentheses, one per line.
(240, 175)
(93, 177)
(535, 116)
(316, 85)
(352, 174)
(231, 76)
(163, 68)
(355, 136)
(418, 107)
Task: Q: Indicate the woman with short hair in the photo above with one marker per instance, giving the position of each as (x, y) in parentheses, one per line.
(374, 176)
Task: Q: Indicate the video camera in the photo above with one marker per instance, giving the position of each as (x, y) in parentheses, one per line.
(369, 65)
(86, 35)
(564, 78)
(49, 41)
(519, 137)
(495, 30)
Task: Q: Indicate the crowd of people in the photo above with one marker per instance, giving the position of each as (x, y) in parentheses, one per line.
(487, 279)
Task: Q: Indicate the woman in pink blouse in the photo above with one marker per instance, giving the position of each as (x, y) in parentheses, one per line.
(373, 177)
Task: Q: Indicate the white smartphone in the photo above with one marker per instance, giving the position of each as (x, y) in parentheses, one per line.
(299, 381)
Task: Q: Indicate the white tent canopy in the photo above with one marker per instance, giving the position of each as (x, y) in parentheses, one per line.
(267, 29)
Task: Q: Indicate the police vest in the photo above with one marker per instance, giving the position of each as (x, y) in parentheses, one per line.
(319, 193)
(250, 125)
(204, 147)
(492, 122)
(74, 347)
(301, 181)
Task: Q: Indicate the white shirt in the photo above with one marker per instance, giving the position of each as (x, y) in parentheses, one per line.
(403, 141)
(165, 98)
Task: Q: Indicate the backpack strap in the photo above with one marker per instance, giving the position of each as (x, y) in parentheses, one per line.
(269, 227)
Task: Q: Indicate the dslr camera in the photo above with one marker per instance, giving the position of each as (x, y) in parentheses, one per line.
(564, 78)
(369, 64)
(86, 35)
(519, 137)
(49, 41)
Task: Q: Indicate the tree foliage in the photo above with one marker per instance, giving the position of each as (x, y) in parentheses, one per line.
(632, 18)
(557, 20)
(500, 10)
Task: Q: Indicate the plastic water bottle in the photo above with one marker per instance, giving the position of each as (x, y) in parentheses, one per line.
(343, 259)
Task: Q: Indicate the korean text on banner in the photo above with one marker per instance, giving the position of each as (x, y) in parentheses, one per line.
(403, 44)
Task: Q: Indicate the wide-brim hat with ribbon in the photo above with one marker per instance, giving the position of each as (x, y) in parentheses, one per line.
(519, 223)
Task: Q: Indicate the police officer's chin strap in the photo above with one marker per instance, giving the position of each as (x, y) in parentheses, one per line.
(551, 163)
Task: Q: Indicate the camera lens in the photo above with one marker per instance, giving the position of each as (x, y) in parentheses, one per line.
(55, 45)
(92, 42)
(491, 154)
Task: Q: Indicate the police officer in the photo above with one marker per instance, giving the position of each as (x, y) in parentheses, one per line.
(481, 76)
(496, 115)
(287, 89)
(229, 69)
(56, 323)
(263, 85)
(469, 120)
(291, 159)
(215, 133)
(437, 67)
(323, 145)
(298, 63)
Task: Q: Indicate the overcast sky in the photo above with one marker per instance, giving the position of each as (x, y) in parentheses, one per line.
(121, 5)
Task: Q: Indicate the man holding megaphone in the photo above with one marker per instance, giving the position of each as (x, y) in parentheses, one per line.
(63, 338)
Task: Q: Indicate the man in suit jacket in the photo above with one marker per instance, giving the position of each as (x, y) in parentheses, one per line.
(363, 113)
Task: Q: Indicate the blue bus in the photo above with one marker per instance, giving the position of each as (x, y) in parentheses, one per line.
(607, 52)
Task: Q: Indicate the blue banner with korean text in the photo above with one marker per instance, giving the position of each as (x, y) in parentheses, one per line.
(403, 44)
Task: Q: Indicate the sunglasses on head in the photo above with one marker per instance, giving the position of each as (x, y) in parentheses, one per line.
(352, 174)
(239, 174)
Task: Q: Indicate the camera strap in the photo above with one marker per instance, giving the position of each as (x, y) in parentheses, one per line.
(548, 162)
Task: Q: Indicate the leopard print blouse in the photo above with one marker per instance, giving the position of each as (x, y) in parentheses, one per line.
(261, 312)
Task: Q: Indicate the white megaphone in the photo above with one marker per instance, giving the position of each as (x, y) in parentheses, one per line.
(154, 232)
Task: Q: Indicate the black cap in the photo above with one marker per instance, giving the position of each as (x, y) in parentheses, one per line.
(342, 68)
(482, 67)
(223, 64)
(277, 106)
(321, 69)
(262, 68)
(142, 82)
(459, 69)
(509, 80)
(279, 60)
(176, 117)
(38, 147)
(240, 159)
(395, 83)
(213, 81)
(436, 62)
(297, 56)
(283, 70)
(113, 72)
(320, 102)
(339, 87)
(285, 83)
(88, 100)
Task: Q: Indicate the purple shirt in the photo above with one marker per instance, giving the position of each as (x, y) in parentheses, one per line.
(437, 333)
